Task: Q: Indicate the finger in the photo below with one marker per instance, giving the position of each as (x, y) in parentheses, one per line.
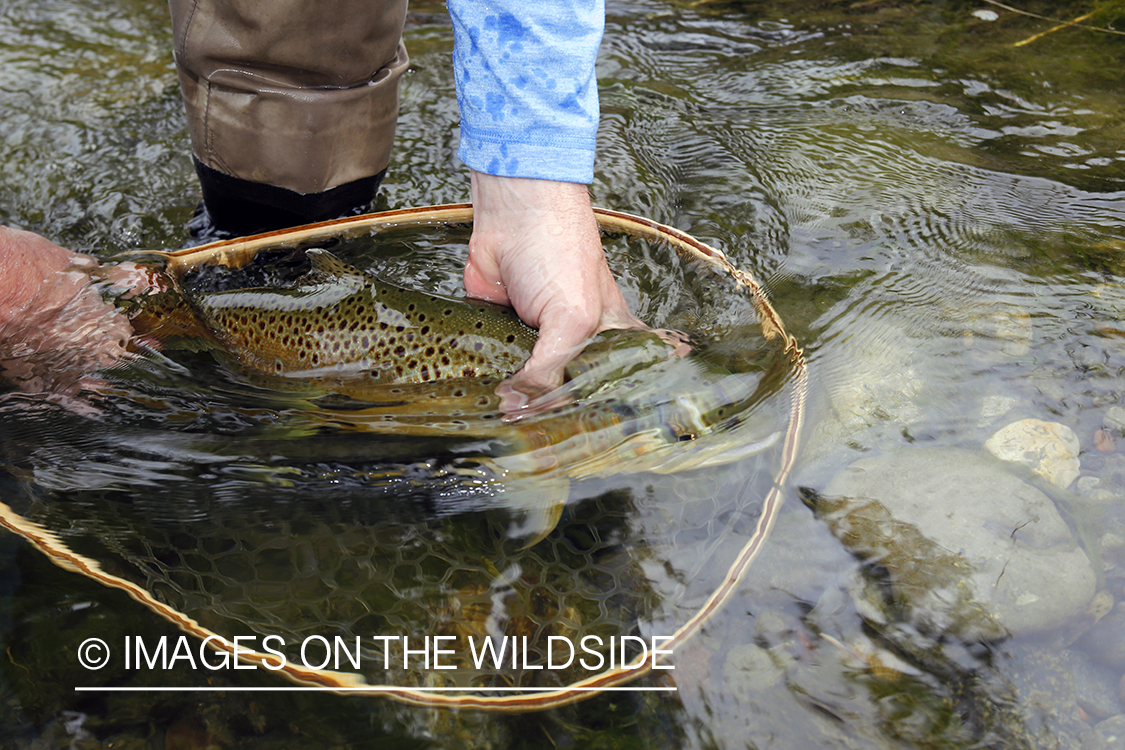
(678, 340)
(478, 287)
(559, 341)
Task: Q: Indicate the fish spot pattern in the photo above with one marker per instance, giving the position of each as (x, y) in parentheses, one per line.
(337, 315)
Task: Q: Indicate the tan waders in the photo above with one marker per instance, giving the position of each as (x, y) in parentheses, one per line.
(291, 105)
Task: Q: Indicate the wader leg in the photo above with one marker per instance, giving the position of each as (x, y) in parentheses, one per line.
(291, 105)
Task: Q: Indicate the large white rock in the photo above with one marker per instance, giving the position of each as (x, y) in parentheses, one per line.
(1050, 449)
(968, 548)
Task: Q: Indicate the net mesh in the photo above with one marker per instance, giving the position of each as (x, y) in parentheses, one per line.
(341, 555)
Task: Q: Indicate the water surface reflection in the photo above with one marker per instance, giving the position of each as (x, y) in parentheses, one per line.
(938, 217)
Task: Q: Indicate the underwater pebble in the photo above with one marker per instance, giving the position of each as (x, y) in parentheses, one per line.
(1016, 332)
(1109, 733)
(1086, 486)
(1100, 606)
(1010, 325)
(873, 392)
(1095, 686)
(1106, 640)
(1113, 550)
(1115, 417)
(1050, 449)
(1090, 488)
(986, 15)
(749, 671)
(1104, 441)
(993, 407)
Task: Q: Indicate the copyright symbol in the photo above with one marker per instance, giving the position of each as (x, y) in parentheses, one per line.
(93, 653)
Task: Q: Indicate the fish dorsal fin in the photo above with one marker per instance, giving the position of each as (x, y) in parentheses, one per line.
(327, 267)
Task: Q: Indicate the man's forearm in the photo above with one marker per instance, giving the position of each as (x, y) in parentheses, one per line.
(526, 86)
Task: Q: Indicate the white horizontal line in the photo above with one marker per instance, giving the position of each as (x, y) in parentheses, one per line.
(371, 689)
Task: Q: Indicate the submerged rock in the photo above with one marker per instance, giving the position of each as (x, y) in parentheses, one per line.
(1049, 448)
(1106, 640)
(1108, 734)
(1115, 418)
(993, 407)
(751, 670)
(965, 548)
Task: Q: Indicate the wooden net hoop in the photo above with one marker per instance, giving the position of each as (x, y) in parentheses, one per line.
(238, 252)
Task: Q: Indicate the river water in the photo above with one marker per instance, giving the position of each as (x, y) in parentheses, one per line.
(936, 213)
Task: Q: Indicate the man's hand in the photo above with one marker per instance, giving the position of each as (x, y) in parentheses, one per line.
(536, 247)
(54, 326)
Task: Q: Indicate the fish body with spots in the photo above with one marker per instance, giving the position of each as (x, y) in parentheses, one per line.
(380, 359)
(339, 319)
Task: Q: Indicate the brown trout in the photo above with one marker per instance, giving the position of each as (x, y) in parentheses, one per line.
(390, 360)
(374, 357)
(340, 318)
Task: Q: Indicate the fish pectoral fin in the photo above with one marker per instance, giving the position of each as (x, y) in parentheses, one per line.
(537, 524)
(543, 523)
(537, 504)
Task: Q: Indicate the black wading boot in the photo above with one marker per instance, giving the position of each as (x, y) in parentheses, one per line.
(232, 207)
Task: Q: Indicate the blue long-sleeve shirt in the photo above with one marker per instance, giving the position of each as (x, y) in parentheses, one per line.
(526, 86)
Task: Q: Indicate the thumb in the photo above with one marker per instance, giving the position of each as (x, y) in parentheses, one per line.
(482, 278)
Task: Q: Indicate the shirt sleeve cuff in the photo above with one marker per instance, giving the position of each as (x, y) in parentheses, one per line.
(565, 159)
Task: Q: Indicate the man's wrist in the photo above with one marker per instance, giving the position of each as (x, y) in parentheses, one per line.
(556, 206)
